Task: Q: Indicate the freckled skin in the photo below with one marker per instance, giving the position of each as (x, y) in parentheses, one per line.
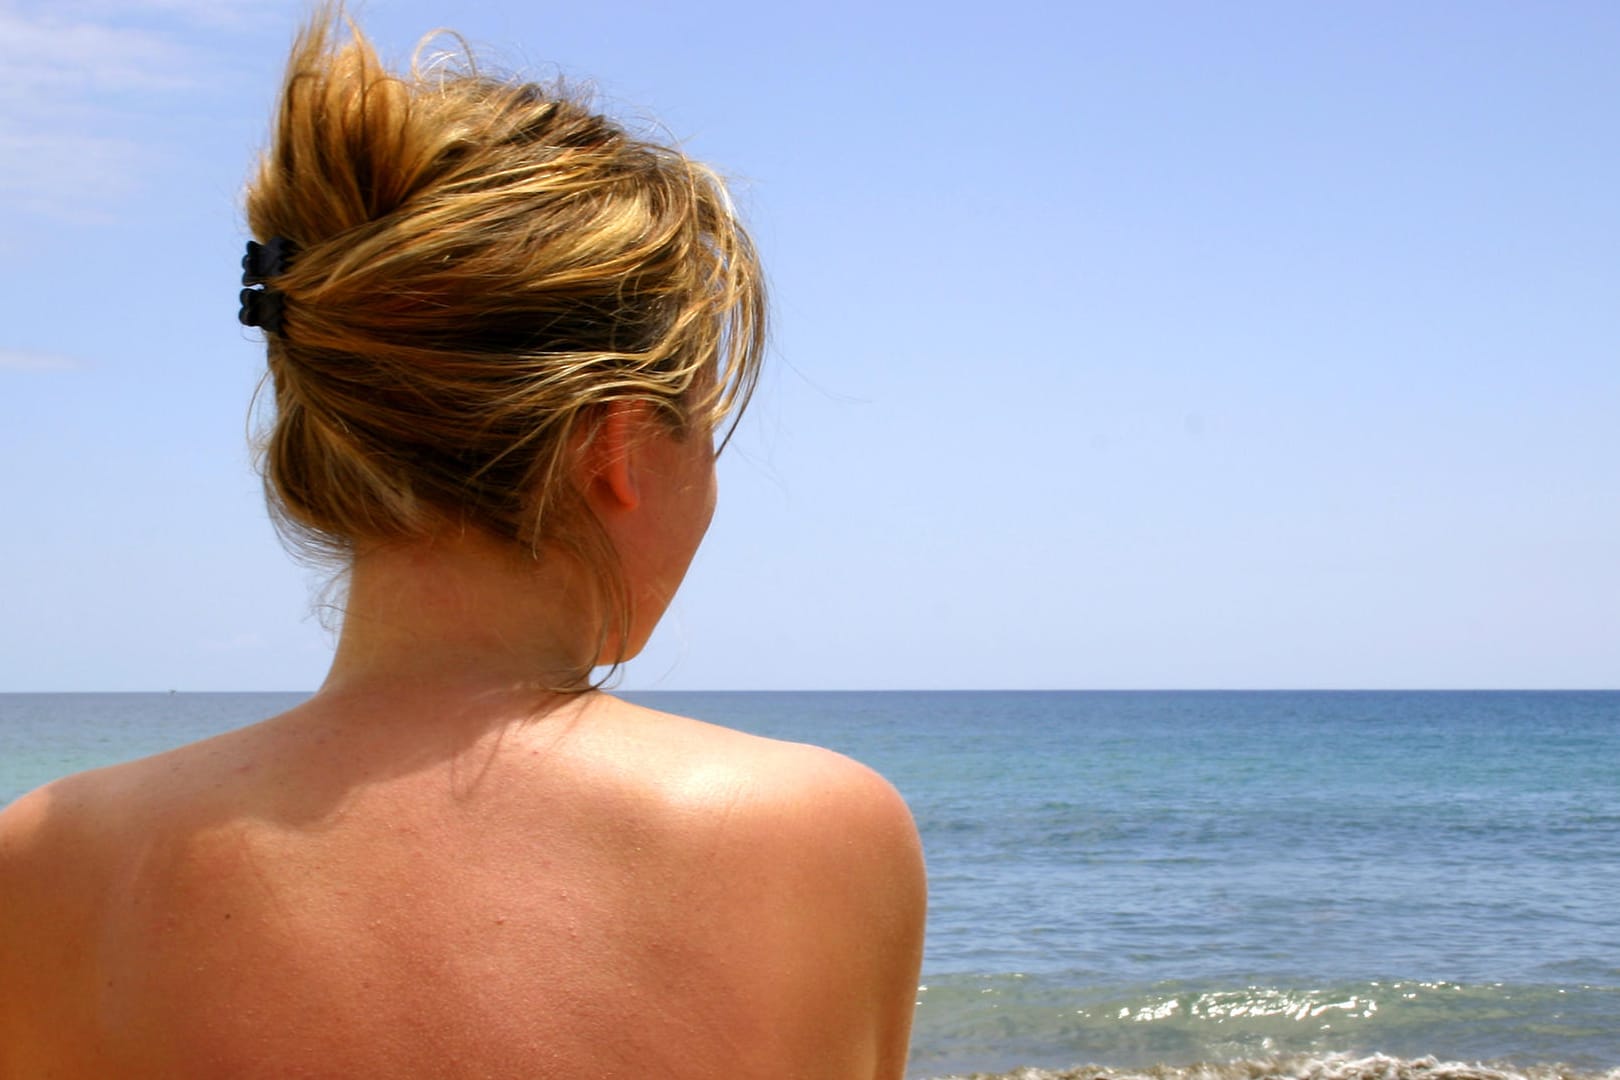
(752, 909)
(432, 869)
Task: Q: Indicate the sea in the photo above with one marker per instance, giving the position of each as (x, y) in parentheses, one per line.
(1196, 885)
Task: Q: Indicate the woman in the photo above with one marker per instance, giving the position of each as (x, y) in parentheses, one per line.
(502, 336)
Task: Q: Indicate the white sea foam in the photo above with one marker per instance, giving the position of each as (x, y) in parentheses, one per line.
(1329, 1067)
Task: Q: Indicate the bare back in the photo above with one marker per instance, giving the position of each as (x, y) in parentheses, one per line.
(344, 891)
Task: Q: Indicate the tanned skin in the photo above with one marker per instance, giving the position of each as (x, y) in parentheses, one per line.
(434, 868)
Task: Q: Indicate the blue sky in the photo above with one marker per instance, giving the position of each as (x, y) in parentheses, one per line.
(1117, 345)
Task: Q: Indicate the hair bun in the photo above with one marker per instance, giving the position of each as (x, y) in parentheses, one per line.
(482, 265)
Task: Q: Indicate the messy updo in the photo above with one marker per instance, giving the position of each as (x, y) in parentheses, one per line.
(478, 266)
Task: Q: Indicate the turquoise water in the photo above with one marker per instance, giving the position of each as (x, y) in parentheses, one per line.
(1154, 879)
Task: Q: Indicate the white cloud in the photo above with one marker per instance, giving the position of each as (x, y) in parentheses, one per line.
(66, 174)
(75, 71)
(221, 13)
(23, 360)
(48, 57)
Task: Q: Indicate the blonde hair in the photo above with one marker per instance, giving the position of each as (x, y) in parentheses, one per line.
(480, 265)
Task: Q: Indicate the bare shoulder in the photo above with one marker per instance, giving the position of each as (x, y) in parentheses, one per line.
(809, 874)
(42, 838)
(795, 831)
(58, 843)
(66, 825)
(44, 922)
(23, 851)
(63, 845)
(22, 826)
(772, 788)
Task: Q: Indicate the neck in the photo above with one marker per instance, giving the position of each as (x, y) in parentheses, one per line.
(463, 614)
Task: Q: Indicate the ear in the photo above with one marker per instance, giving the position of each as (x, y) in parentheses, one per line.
(606, 462)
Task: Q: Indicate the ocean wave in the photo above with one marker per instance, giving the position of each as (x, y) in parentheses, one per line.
(990, 1023)
(1301, 1067)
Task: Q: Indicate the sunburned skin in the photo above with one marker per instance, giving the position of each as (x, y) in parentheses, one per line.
(429, 870)
(601, 890)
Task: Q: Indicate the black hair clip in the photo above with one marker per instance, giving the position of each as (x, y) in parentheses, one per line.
(262, 308)
(264, 261)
